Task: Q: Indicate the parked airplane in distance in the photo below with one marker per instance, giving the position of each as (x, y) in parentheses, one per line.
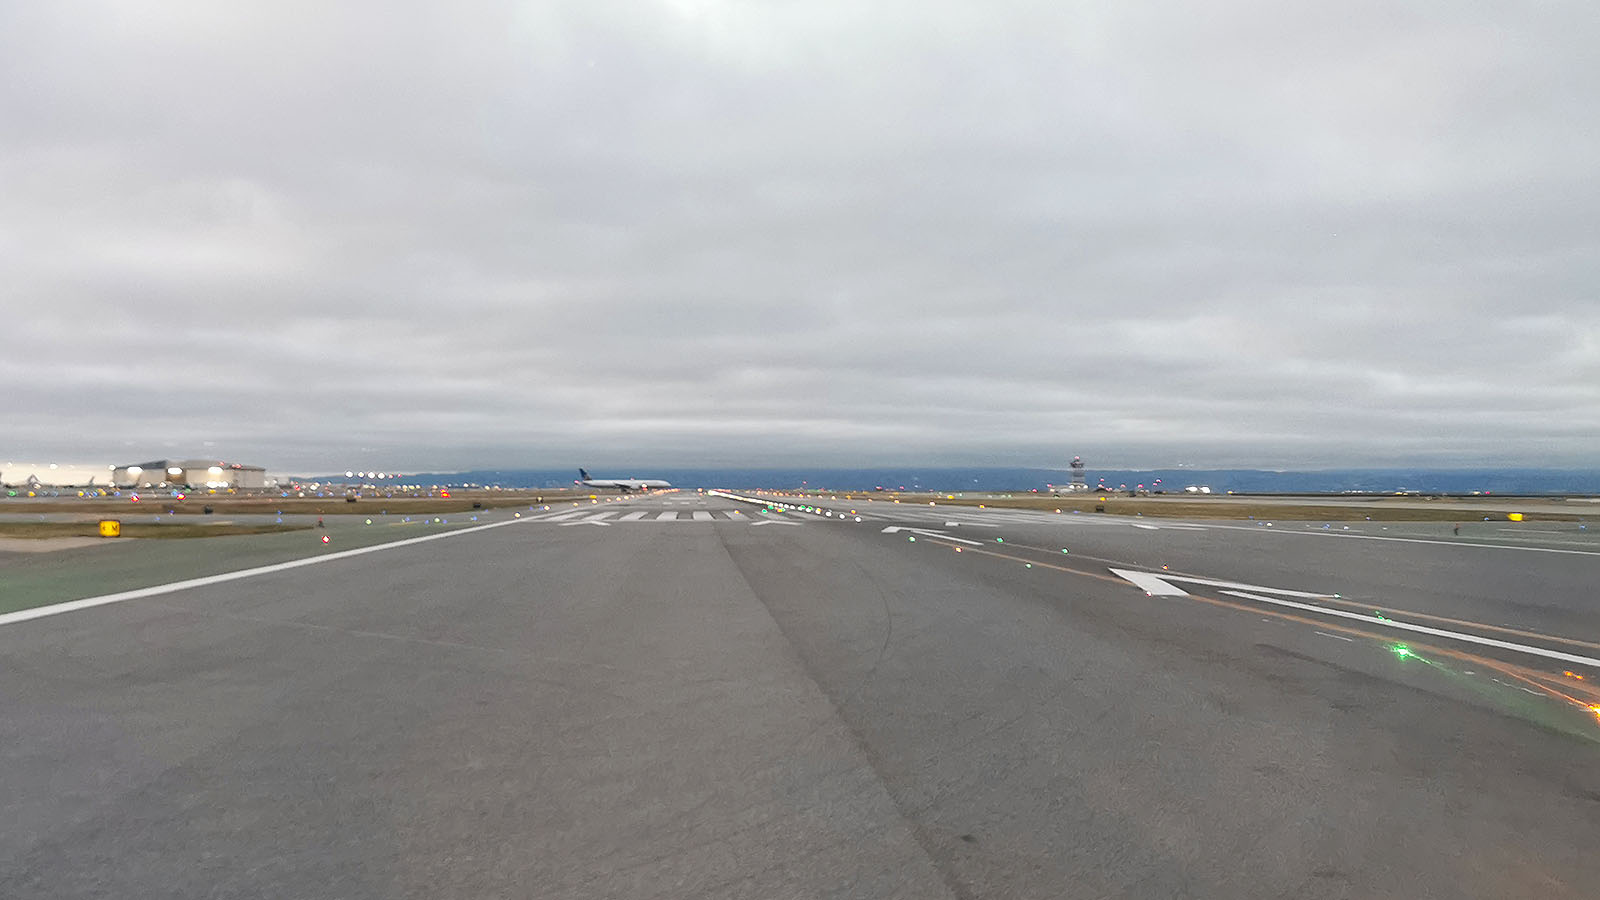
(623, 484)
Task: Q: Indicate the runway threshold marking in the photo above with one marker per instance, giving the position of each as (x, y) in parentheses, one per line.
(56, 609)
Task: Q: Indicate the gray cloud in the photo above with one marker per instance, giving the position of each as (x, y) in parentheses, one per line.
(411, 236)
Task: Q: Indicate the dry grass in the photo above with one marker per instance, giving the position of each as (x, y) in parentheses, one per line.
(137, 529)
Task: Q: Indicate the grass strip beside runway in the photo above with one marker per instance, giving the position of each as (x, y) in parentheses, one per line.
(44, 530)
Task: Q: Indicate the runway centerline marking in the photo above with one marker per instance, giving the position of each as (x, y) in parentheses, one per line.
(56, 609)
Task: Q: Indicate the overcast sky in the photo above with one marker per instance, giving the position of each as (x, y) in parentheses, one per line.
(320, 236)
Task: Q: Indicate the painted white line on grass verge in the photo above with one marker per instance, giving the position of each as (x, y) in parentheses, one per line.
(1422, 629)
(56, 609)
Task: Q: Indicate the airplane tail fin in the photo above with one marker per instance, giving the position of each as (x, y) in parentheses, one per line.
(583, 474)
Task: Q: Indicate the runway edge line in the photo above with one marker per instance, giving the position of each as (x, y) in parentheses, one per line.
(56, 609)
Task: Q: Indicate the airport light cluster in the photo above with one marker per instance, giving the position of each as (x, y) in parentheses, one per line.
(775, 506)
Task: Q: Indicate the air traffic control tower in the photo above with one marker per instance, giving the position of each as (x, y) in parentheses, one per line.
(1078, 485)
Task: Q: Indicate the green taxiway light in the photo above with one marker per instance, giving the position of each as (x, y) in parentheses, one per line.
(1401, 650)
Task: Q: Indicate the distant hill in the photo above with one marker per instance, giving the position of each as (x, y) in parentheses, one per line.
(1453, 481)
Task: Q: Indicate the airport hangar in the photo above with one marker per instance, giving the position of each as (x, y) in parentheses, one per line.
(193, 472)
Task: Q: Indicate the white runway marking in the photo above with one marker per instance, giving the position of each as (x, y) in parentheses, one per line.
(56, 609)
(668, 516)
(1422, 629)
(540, 517)
(1337, 637)
(929, 532)
(1211, 582)
(1165, 579)
(1404, 540)
(633, 517)
(573, 514)
(700, 515)
(1150, 584)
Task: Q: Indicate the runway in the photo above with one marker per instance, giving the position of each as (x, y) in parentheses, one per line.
(709, 696)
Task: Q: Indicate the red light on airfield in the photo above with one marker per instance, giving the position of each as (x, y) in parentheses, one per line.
(325, 539)
(445, 494)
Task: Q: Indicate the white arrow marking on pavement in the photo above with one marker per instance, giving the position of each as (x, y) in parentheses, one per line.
(929, 532)
(584, 522)
(1150, 584)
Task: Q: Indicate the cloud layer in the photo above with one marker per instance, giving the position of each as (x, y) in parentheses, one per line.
(487, 234)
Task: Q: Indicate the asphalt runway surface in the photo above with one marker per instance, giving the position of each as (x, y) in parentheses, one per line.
(703, 696)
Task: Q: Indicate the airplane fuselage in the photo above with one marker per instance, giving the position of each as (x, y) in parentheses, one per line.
(622, 484)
